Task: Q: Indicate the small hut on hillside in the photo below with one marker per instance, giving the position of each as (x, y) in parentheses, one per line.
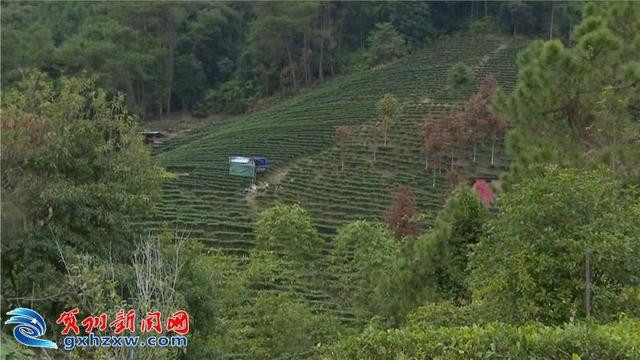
(152, 137)
(247, 166)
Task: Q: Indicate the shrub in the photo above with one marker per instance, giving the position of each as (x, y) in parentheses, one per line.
(460, 80)
(385, 44)
(530, 265)
(483, 26)
(362, 257)
(233, 97)
(288, 228)
(618, 340)
(446, 314)
(281, 325)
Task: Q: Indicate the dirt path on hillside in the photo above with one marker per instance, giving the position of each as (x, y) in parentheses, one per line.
(483, 61)
(178, 124)
(271, 178)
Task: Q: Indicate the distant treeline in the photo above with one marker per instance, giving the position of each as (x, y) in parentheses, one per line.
(211, 57)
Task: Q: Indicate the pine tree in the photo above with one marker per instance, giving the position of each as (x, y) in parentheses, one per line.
(578, 106)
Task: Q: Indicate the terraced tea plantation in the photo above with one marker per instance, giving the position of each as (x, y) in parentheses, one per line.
(297, 134)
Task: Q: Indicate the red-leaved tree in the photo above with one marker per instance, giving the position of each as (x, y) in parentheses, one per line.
(455, 178)
(484, 192)
(458, 130)
(402, 217)
(343, 135)
(481, 121)
(437, 142)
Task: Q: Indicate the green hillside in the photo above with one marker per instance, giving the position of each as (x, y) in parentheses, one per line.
(297, 134)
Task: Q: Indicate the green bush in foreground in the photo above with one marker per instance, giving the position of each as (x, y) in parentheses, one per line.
(363, 257)
(288, 228)
(447, 314)
(619, 340)
(530, 265)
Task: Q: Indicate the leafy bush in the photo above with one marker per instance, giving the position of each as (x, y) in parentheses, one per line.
(261, 317)
(618, 340)
(233, 97)
(483, 26)
(282, 325)
(362, 257)
(530, 266)
(356, 61)
(460, 80)
(288, 228)
(446, 314)
(385, 44)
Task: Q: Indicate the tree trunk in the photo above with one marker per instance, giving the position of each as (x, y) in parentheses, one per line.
(426, 162)
(485, 8)
(171, 41)
(320, 70)
(570, 30)
(551, 25)
(475, 147)
(143, 105)
(493, 147)
(434, 177)
(385, 135)
(472, 2)
(339, 44)
(305, 57)
(169, 101)
(292, 69)
(322, 36)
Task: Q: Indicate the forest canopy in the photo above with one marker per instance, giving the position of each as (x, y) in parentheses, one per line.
(208, 57)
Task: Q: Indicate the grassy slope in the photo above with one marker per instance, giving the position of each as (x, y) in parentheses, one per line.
(297, 133)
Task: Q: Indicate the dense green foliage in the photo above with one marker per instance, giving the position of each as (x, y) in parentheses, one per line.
(576, 341)
(385, 44)
(578, 106)
(255, 320)
(457, 227)
(460, 79)
(434, 265)
(289, 229)
(363, 257)
(74, 175)
(546, 225)
(223, 56)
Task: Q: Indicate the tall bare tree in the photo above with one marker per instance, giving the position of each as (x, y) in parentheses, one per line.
(343, 137)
